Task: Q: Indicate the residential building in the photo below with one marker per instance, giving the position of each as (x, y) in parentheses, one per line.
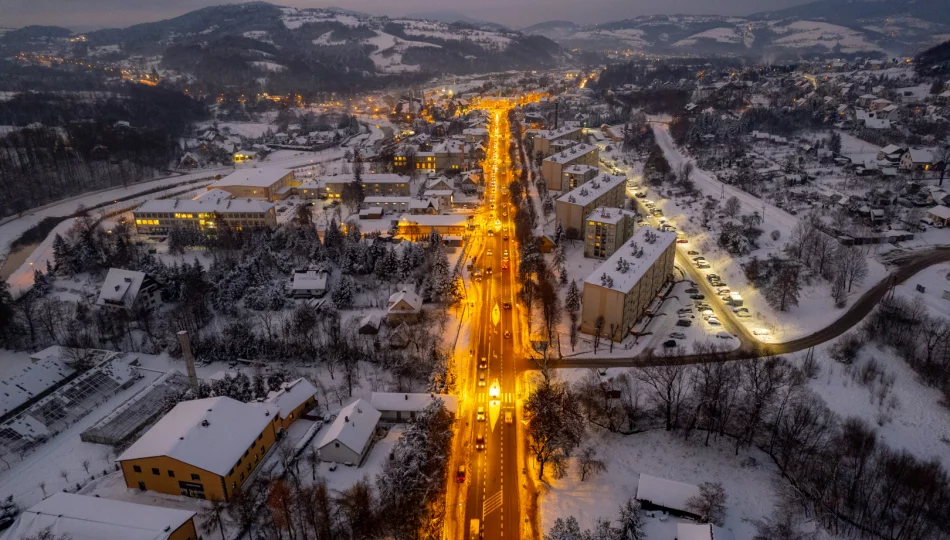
(374, 185)
(369, 325)
(350, 436)
(621, 289)
(292, 400)
(544, 140)
(268, 183)
(917, 160)
(242, 156)
(400, 407)
(403, 306)
(390, 205)
(82, 517)
(475, 135)
(552, 168)
(160, 216)
(607, 229)
(424, 161)
(309, 283)
(575, 175)
(203, 448)
(416, 227)
(940, 215)
(129, 289)
(661, 494)
(705, 531)
(572, 208)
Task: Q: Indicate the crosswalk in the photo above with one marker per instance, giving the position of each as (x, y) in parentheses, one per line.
(504, 397)
(491, 504)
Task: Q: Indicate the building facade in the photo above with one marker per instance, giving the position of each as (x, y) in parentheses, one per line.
(268, 183)
(160, 216)
(374, 185)
(622, 288)
(572, 208)
(606, 230)
(552, 168)
(543, 141)
(575, 175)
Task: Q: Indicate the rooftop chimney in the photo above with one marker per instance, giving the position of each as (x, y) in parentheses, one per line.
(185, 342)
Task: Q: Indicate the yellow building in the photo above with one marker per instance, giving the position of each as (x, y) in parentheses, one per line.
(81, 517)
(543, 141)
(204, 448)
(268, 183)
(552, 168)
(622, 288)
(293, 399)
(159, 216)
(573, 208)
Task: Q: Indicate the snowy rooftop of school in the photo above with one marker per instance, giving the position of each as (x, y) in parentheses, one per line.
(207, 203)
(210, 433)
(396, 401)
(92, 518)
(665, 493)
(376, 178)
(612, 216)
(571, 153)
(291, 395)
(257, 177)
(587, 192)
(354, 425)
(623, 275)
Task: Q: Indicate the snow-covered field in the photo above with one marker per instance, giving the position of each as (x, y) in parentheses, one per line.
(802, 34)
(722, 35)
(389, 51)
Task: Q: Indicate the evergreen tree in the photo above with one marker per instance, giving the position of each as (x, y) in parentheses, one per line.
(572, 301)
(6, 306)
(565, 529)
(61, 254)
(42, 283)
(343, 294)
(630, 523)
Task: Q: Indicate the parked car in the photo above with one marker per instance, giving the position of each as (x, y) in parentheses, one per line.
(692, 252)
(702, 266)
(686, 323)
(723, 334)
(699, 258)
(692, 290)
(669, 344)
(698, 296)
(678, 335)
(713, 321)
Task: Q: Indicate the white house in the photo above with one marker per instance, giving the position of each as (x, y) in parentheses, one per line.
(309, 284)
(940, 215)
(129, 289)
(396, 406)
(403, 306)
(351, 435)
(917, 159)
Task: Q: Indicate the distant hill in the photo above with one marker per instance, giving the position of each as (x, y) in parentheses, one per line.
(454, 16)
(849, 12)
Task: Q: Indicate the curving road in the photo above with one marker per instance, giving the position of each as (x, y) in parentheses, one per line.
(751, 347)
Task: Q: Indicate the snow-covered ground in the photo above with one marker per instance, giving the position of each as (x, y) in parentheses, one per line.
(389, 51)
(803, 34)
(722, 35)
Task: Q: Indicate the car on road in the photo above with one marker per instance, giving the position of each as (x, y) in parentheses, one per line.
(698, 296)
(686, 323)
(692, 290)
(692, 252)
(678, 335)
(480, 415)
(508, 417)
(505, 238)
(640, 195)
(743, 315)
(669, 344)
(489, 253)
(723, 334)
(480, 442)
(712, 276)
(657, 213)
(507, 334)
(483, 363)
(505, 253)
(506, 305)
(713, 321)
(703, 265)
(460, 474)
(481, 379)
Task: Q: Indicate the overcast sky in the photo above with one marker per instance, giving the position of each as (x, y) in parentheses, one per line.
(87, 14)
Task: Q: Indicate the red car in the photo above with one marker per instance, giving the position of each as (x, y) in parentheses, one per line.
(460, 475)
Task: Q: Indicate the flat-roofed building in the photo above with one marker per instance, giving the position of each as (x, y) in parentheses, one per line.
(159, 216)
(268, 183)
(606, 230)
(374, 185)
(544, 141)
(81, 517)
(203, 448)
(552, 168)
(621, 289)
(391, 205)
(417, 227)
(403, 407)
(572, 208)
(575, 175)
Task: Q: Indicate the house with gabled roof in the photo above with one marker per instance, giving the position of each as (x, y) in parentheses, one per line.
(129, 289)
(350, 436)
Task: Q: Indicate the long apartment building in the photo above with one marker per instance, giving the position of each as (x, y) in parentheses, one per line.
(621, 289)
(552, 168)
(606, 230)
(268, 183)
(374, 185)
(575, 175)
(160, 216)
(573, 207)
(544, 141)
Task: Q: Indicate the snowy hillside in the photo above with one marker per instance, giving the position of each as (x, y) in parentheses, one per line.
(809, 34)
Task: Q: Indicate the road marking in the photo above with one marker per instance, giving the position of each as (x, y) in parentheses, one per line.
(491, 504)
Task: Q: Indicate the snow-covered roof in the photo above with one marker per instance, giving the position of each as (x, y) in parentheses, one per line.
(291, 395)
(81, 517)
(386, 199)
(890, 149)
(554, 134)
(381, 178)
(396, 401)
(665, 493)
(211, 434)
(588, 192)
(572, 153)
(920, 155)
(259, 177)
(120, 287)
(205, 205)
(695, 531)
(623, 275)
(353, 427)
(309, 280)
(412, 299)
(32, 380)
(579, 169)
(941, 212)
(612, 216)
(447, 220)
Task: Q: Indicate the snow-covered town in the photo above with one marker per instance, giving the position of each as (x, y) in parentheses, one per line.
(308, 274)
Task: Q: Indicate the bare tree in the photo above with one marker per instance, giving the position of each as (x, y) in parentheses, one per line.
(784, 288)
(852, 264)
(710, 504)
(732, 207)
(589, 464)
(667, 385)
(214, 517)
(598, 331)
